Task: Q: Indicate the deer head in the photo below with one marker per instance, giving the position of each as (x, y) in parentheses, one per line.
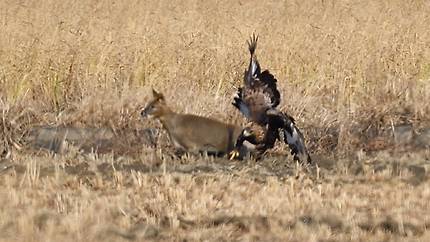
(156, 108)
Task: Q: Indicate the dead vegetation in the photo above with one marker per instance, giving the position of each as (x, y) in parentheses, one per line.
(355, 75)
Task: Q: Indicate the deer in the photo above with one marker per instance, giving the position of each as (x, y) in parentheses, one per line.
(191, 133)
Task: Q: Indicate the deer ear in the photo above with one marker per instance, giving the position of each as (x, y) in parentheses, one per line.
(154, 93)
(157, 95)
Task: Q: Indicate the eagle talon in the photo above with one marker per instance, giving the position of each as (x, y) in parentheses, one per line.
(233, 154)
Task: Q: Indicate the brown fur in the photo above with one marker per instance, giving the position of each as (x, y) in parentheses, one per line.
(192, 133)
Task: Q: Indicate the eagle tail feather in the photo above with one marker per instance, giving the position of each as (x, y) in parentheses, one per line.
(254, 68)
(252, 44)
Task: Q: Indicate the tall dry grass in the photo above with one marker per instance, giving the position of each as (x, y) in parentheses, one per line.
(336, 61)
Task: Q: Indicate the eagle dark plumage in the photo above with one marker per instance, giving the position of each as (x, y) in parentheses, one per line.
(259, 92)
(258, 100)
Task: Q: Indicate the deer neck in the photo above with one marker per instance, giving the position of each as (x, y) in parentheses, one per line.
(167, 117)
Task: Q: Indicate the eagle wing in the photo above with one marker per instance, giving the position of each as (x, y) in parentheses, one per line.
(257, 100)
(294, 138)
(259, 92)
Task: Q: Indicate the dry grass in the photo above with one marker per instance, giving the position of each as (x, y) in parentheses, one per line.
(346, 70)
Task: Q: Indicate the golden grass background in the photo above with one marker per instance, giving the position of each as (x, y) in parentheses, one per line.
(346, 65)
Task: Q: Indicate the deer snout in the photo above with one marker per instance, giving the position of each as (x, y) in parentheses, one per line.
(144, 113)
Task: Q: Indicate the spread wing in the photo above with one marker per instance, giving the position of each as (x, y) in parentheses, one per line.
(259, 92)
(294, 138)
(280, 122)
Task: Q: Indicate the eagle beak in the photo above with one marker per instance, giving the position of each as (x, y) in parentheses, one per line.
(233, 154)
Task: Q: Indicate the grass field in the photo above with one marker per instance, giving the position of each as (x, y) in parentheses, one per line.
(352, 73)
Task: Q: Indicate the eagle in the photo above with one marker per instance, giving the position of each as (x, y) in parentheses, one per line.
(258, 100)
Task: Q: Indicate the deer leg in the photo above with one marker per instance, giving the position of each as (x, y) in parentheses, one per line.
(179, 152)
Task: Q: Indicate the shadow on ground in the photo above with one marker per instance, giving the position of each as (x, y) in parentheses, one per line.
(136, 150)
(60, 140)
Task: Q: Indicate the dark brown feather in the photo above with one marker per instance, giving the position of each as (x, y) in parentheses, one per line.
(259, 92)
(258, 100)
